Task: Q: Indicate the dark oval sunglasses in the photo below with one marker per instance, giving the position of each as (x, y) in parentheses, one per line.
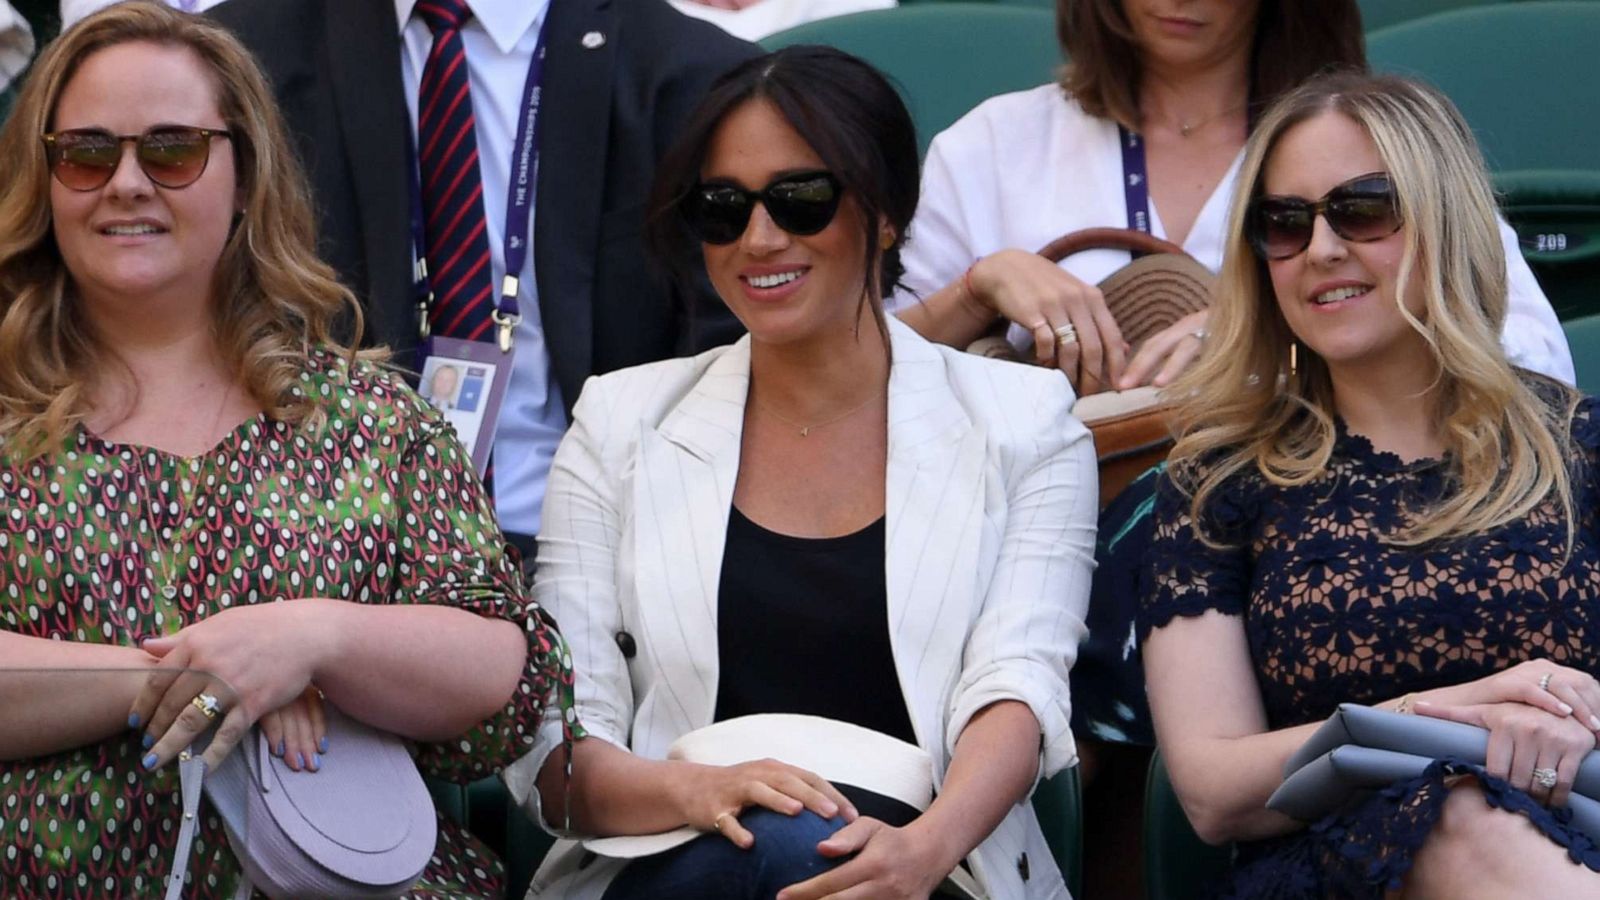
(172, 156)
(1362, 209)
(801, 204)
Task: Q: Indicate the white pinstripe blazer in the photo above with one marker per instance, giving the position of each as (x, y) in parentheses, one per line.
(991, 505)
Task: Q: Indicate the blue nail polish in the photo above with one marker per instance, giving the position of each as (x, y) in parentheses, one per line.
(133, 720)
(316, 761)
(302, 758)
(323, 744)
(149, 741)
(150, 761)
(282, 748)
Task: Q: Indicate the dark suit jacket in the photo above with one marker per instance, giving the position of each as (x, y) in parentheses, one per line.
(609, 114)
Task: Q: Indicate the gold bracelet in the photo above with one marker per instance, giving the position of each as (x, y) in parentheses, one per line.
(1404, 706)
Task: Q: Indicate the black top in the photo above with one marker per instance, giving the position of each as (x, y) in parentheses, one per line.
(803, 627)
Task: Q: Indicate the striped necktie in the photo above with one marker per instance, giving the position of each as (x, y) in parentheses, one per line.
(452, 189)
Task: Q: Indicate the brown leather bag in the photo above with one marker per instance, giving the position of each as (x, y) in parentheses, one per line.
(1147, 295)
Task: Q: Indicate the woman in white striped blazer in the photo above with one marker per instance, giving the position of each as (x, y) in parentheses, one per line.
(831, 516)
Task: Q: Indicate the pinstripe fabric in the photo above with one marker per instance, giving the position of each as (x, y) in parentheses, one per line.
(452, 191)
(991, 498)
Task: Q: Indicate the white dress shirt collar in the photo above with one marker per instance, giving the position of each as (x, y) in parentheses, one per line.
(506, 21)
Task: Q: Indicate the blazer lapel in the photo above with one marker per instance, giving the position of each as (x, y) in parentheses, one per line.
(934, 497)
(580, 64)
(683, 492)
(363, 60)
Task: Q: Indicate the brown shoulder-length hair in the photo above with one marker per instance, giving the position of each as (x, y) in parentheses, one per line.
(274, 301)
(1295, 39)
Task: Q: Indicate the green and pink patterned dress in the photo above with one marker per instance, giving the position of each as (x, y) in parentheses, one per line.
(109, 543)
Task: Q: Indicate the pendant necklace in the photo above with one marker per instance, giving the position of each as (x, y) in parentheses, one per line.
(805, 430)
(1186, 128)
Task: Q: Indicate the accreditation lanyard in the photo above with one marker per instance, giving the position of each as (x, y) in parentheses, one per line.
(1135, 180)
(519, 202)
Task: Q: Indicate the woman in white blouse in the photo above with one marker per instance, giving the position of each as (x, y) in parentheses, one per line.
(1186, 79)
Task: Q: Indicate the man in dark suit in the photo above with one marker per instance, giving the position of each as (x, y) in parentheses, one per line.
(620, 76)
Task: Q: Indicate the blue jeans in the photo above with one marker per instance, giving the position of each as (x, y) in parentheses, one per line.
(785, 853)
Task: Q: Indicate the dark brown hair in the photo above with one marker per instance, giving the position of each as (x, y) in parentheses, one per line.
(1295, 39)
(850, 115)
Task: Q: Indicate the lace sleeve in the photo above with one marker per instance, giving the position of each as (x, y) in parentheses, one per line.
(1183, 576)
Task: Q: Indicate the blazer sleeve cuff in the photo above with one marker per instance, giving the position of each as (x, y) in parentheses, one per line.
(522, 776)
(1044, 693)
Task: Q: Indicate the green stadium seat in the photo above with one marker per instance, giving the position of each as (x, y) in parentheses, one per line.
(1058, 802)
(945, 57)
(1177, 864)
(1522, 74)
(1377, 14)
(1583, 336)
(1557, 218)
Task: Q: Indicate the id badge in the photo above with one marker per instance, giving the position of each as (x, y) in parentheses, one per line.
(466, 381)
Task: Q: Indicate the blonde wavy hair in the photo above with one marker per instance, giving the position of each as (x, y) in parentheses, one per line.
(1240, 407)
(274, 301)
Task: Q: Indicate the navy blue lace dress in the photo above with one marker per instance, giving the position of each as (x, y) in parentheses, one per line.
(1333, 614)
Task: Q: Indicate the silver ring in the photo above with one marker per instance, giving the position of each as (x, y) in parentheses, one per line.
(1544, 682)
(717, 822)
(207, 704)
(1545, 778)
(1066, 334)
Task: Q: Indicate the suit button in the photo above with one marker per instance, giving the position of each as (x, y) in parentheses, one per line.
(1022, 866)
(626, 645)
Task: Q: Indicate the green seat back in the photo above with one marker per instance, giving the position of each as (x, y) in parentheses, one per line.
(1523, 74)
(1177, 864)
(485, 808)
(945, 57)
(1377, 14)
(1058, 802)
(1583, 336)
(1557, 218)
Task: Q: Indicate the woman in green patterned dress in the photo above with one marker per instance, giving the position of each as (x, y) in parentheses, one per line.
(197, 477)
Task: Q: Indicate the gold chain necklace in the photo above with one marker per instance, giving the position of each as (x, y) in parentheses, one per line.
(805, 430)
(1186, 128)
(165, 550)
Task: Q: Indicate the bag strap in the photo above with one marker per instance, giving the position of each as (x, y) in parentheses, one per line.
(191, 772)
(191, 776)
(1107, 239)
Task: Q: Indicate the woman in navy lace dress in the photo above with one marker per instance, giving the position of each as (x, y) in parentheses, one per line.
(1368, 503)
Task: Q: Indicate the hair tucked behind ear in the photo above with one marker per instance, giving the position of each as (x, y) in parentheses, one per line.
(1239, 408)
(274, 301)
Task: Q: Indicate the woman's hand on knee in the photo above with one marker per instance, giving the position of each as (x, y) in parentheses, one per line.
(1526, 745)
(711, 797)
(889, 863)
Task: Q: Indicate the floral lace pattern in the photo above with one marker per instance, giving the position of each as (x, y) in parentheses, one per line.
(1333, 614)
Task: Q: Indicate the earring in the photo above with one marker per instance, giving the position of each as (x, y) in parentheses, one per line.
(1294, 358)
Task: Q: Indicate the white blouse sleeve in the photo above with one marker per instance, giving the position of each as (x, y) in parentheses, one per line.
(1532, 336)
